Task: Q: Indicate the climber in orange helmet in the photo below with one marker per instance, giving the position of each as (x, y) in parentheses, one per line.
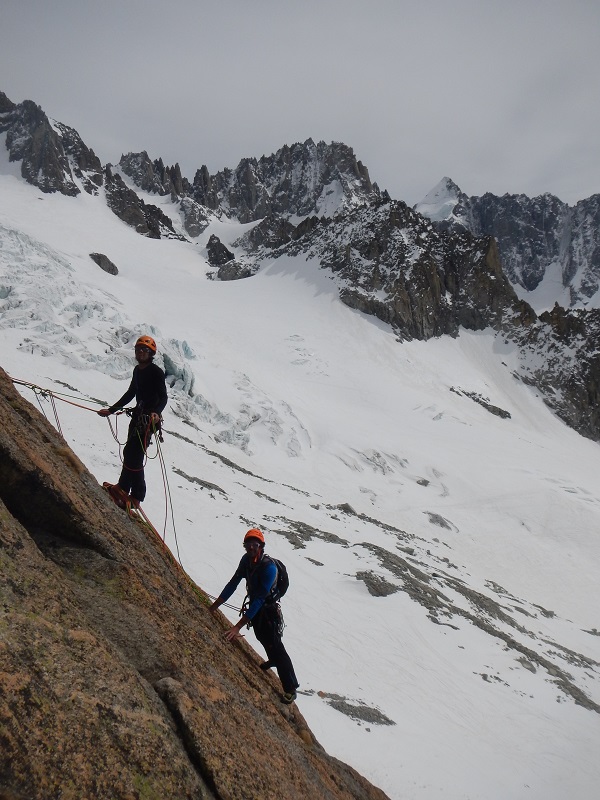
(149, 389)
(263, 613)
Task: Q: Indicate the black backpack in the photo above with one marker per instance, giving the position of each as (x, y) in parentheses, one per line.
(283, 581)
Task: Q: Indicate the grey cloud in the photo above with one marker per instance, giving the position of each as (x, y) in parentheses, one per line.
(499, 96)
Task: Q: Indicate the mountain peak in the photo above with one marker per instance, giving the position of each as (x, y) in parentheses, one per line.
(299, 180)
(439, 203)
(6, 105)
(52, 155)
(153, 176)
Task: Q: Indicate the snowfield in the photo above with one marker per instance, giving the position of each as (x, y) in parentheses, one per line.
(444, 608)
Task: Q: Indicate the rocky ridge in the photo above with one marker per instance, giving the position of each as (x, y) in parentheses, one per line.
(390, 262)
(297, 180)
(425, 281)
(153, 176)
(113, 678)
(452, 262)
(147, 219)
(534, 235)
(49, 153)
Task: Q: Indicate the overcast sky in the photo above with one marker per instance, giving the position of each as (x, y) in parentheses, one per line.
(499, 95)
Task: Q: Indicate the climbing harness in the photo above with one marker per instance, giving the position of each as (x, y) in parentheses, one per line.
(145, 428)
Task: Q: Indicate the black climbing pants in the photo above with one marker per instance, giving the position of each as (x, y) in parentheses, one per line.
(266, 626)
(134, 454)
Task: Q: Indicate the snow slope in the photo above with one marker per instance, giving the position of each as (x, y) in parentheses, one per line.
(368, 464)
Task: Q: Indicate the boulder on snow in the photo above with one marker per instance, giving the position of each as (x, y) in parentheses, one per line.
(218, 254)
(104, 263)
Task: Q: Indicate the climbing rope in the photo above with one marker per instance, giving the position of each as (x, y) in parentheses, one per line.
(43, 394)
(148, 431)
(136, 513)
(50, 393)
(139, 515)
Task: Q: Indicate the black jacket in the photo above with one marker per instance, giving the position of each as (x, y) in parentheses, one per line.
(149, 389)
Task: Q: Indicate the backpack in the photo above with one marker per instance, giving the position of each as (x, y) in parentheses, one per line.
(283, 581)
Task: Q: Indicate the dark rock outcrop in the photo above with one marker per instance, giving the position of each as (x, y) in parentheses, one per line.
(397, 267)
(104, 263)
(300, 180)
(125, 203)
(146, 219)
(533, 234)
(47, 151)
(272, 232)
(154, 176)
(115, 681)
(217, 253)
(195, 217)
(561, 357)
(228, 268)
(234, 271)
(6, 105)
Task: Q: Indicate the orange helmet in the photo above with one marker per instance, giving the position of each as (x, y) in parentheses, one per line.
(254, 533)
(147, 341)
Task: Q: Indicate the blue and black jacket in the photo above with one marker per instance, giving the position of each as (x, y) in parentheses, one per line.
(260, 581)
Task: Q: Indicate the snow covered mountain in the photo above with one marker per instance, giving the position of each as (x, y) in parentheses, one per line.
(549, 250)
(297, 181)
(439, 522)
(424, 279)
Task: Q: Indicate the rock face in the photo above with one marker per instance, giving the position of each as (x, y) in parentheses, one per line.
(534, 235)
(300, 180)
(147, 219)
(48, 152)
(582, 266)
(114, 679)
(153, 176)
(392, 263)
(84, 163)
(217, 253)
(104, 263)
(452, 262)
(273, 232)
(560, 356)
(195, 217)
